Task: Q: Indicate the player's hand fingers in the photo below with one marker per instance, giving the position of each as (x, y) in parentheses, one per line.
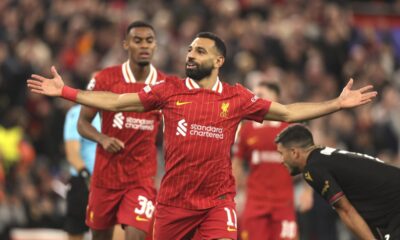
(54, 71)
(120, 143)
(31, 86)
(366, 88)
(32, 82)
(37, 91)
(350, 84)
(369, 95)
(39, 78)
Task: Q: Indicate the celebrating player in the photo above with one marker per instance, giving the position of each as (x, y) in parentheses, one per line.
(269, 209)
(201, 116)
(122, 189)
(364, 191)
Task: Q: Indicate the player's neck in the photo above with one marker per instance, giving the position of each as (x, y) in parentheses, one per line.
(307, 153)
(139, 72)
(208, 82)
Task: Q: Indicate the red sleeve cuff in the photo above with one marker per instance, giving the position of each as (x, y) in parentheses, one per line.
(335, 198)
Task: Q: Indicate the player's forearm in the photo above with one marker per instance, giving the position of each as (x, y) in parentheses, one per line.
(101, 100)
(306, 111)
(356, 224)
(73, 155)
(105, 100)
(86, 130)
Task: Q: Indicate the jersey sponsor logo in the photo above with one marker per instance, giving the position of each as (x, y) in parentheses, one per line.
(224, 110)
(308, 177)
(325, 188)
(120, 122)
(141, 219)
(91, 84)
(179, 103)
(184, 128)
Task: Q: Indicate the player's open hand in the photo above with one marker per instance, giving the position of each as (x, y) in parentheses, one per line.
(46, 86)
(111, 144)
(352, 98)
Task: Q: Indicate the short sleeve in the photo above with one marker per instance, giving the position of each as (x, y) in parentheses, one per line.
(154, 96)
(71, 125)
(323, 183)
(98, 83)
(253, 107)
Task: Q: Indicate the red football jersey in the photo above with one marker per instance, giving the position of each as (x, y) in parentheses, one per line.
(269, 183)
(200, 127)
(137, 162)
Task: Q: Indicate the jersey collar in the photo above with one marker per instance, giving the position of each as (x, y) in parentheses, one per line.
(130, 78)
(191, 84)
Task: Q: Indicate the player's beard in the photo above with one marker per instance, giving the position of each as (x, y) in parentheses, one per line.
(294, 171)
(199, 72)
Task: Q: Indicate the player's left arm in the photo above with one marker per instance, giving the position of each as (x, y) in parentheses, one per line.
(352, 219)
(304, 111)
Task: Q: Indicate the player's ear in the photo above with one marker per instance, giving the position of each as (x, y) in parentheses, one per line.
(295, 152)
(219, 61)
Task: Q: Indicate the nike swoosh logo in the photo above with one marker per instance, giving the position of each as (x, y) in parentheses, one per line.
(179, 103)
(231, 229)
(140, 219)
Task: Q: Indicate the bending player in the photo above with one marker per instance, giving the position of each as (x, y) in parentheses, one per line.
(363, 190)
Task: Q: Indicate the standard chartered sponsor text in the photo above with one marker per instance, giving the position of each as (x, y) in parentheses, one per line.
(140, 124)
(206, 131)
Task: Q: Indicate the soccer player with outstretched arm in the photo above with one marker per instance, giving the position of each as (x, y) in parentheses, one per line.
(201, 116)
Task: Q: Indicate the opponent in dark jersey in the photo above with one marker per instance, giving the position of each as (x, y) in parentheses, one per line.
(363, 190)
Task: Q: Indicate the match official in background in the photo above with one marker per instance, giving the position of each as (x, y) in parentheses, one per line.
(363, 190)
(80, 153)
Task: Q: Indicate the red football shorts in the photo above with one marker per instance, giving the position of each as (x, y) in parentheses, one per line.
(133, 207)
(173, 223)
(278, 224)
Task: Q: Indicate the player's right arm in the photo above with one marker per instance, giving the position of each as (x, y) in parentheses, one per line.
(55, 87)
(352, 219)
(72, 144)
(87, 130)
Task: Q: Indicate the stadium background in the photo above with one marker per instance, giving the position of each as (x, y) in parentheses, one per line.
(309, 47)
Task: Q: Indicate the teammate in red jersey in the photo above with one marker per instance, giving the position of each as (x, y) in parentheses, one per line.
(201, 115)
(269, 212)
(122, 187)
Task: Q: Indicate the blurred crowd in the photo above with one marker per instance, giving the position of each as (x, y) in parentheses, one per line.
(311, 48)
